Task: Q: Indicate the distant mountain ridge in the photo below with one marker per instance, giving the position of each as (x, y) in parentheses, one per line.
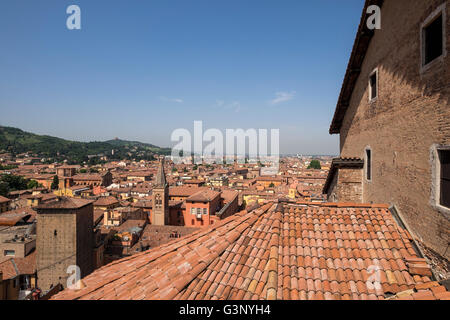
(17, 141)
(118, 143)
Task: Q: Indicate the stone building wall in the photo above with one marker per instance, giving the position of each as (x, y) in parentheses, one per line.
(408, 119)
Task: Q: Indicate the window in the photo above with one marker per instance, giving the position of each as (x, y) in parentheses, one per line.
(205, 211)
(192, 210)
(368, 164)
(444, 158)
(373, 85)
(9, 253)
(432, 39)
(199, 211)
(158, 201)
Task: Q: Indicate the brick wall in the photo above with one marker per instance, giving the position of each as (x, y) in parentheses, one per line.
(55, 253)
(411, 115)
(346, 186)
(71, 244)
(85, 240)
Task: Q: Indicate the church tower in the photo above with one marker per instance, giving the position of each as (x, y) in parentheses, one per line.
(160, 195)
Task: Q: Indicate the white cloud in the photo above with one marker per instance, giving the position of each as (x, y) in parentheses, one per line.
(177, 100)
(281, 97)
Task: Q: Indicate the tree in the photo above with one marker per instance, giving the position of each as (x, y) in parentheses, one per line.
(8, 167)
(32, 184)
(4, 189)
(55, 183)
(271, 185)
(14, 182)
(315, 164)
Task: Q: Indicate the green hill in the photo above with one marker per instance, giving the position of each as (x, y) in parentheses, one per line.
(17, 141)
(122, 143)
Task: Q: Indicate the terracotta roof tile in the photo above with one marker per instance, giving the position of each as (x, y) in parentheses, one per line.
(278, 251)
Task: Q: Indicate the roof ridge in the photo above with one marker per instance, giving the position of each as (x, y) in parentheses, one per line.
(272, 263)
(15, 266)
(235, 225)
(181, 282)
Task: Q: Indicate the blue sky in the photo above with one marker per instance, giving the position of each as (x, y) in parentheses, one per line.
(140, 69)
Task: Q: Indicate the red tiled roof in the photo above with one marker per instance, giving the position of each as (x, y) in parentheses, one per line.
(11, 219)
(203, 196)
(27, 265)
(229, 195)
(64, 203)
(25, 211)
(3, 199)
(19, 266)
(182, 191)
(8, 270)
(277, 251)
(425, 291)
(106, 201)
(87, 177)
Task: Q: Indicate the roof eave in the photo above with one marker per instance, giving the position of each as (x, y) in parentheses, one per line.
(360, 46)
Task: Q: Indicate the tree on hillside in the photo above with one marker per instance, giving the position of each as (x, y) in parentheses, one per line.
(32, 184)
(55, 183)
(315, 164)
(271, 185)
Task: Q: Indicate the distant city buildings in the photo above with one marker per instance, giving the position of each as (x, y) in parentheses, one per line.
(315, 229)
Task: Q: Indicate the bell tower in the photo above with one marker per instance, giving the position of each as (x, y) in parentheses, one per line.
(160, 196)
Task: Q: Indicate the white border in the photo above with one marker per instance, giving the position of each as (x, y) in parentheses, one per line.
(433, 16)
(435, 199)
(377, 75)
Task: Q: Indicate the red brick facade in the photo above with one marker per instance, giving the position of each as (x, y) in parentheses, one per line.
(405, 123)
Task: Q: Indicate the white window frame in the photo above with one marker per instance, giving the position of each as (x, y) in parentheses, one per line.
(436, 179)
(377, 75)
(430, 19)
